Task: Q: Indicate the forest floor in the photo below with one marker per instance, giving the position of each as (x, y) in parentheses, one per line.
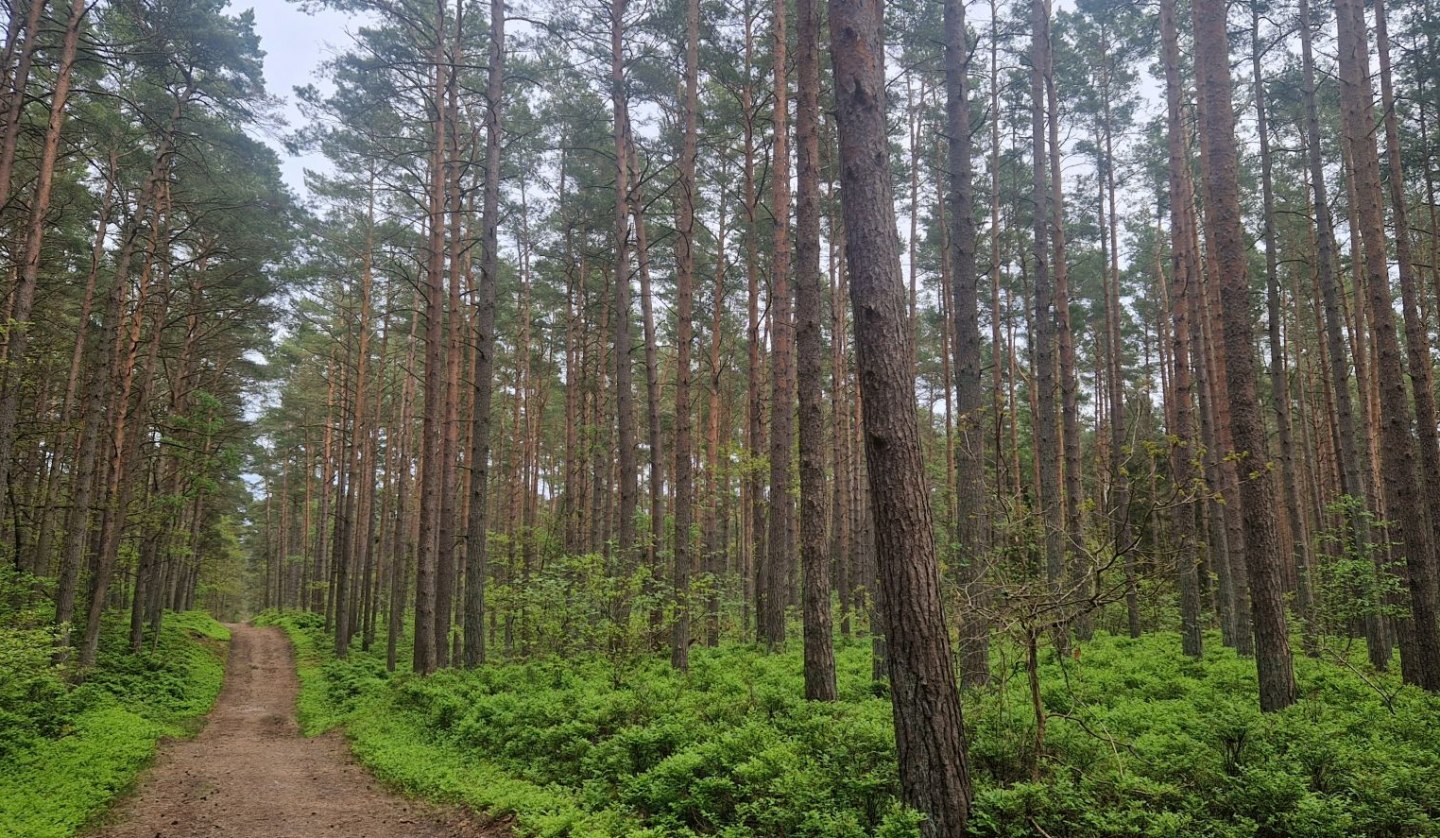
(250, 774)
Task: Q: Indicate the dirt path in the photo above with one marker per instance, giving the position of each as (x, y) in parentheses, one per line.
(250, 774)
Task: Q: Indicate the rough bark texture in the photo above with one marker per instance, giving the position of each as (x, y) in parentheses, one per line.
(1182, 429)
(1046, 419)
(810, 352)
(448, 533)
(1227, 247)
(969, 400)
(929, 731)
(685, 303)
(755, 407)
(624, 391)
(426, 657)
(1279, 377)
(776, 582)
(476, 558)
(1403, 498)
(1417, 336)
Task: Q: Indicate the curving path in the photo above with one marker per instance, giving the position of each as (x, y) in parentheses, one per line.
(250, 774)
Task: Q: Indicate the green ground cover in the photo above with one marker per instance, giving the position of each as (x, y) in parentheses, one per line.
(66, 752)
(1139, 741)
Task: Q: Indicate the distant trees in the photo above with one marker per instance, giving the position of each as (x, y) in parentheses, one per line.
(1046, 411)
(1100, 446)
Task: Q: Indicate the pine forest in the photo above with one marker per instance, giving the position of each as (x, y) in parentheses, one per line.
(720, 417)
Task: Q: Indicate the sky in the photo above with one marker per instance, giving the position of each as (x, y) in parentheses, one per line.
(295, 44)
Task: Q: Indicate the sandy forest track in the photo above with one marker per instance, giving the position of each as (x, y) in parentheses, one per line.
(250, 774)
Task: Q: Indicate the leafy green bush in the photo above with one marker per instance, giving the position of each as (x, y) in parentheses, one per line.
(34, 701)
(68, 751)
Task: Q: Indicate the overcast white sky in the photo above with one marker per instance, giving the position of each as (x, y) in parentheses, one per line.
(295, 43)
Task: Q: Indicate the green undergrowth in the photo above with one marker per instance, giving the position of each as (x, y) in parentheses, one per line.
(1139, 742)
(66, 752)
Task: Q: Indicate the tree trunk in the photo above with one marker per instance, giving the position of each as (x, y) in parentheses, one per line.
(77, 521)
(970, 498)
(1403, 497)
(446, 570)
(929, 731)
(776, 584)
(1417, 336)
(427, 655)
(18, 85)
(810, 353)
(1279, 378)
(1076, 566)
(755, 425)
(1182, 450)
(18, 327)
(1227, 246)
(1046, 421)
(655, 542)
(402, 546)
(685, 336)
(624, 392)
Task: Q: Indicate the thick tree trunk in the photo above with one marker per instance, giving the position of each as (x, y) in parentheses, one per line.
(427, 655)
(929, 731)
(810, 352)
(774, 591)
(1227, 246)
(1417, 335)
(628, 472)
(685, 336)
(1279, 377)
(446, 570)
(970, 499)
(1182, 220)
(1211, 347)
(1403, 497)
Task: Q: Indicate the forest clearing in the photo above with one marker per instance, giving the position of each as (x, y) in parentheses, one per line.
(682, 417)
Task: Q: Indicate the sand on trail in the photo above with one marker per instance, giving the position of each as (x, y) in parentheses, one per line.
(250, 774)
